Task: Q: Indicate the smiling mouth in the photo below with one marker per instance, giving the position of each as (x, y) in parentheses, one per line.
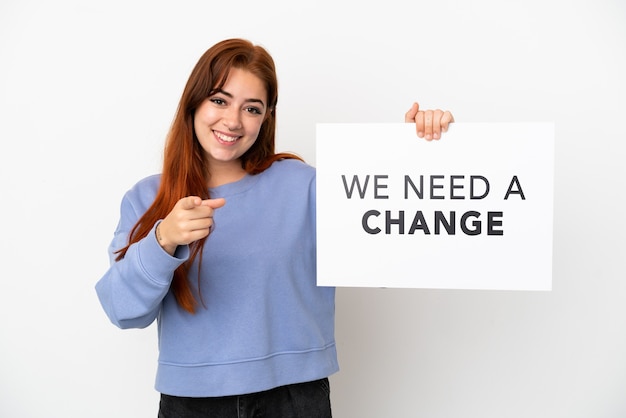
(225, 138)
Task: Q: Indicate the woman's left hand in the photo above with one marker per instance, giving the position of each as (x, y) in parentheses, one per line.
(429, 124)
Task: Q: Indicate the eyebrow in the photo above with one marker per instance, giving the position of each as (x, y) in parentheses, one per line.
(251, 100)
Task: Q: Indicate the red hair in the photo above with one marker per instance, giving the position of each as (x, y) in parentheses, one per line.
(185, 169)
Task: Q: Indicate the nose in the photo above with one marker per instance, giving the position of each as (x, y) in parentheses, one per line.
(231, 119)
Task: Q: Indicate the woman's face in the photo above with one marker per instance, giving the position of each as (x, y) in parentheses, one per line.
(228, 122)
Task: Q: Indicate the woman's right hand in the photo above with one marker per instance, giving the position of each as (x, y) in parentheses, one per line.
(191, 219)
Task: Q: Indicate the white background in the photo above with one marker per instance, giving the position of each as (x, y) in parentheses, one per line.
(88, 90)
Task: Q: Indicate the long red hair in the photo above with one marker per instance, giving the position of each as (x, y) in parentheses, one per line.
(185, 169)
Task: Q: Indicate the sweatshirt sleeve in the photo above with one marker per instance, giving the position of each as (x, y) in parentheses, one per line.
(132, 290)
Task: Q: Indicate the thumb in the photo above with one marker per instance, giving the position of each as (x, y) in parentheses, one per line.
(410, 115)
(189, 202)
(214, 203)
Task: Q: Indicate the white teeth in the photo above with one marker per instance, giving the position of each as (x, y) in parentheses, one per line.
(226, 138)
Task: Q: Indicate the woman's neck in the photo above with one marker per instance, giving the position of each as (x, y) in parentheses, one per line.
(224, 173)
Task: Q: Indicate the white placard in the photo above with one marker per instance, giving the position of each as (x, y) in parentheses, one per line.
(473, 210)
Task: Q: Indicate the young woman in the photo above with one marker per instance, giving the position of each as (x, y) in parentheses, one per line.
(220, 250)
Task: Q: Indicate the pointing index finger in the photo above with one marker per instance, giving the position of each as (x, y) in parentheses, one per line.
(214, 203)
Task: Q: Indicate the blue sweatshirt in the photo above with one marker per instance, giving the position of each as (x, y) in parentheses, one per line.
(265, 322)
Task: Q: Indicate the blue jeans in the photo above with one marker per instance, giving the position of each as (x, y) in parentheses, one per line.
(301, 400)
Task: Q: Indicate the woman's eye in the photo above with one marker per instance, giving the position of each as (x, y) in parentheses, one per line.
(254, 110)
(217, 101)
